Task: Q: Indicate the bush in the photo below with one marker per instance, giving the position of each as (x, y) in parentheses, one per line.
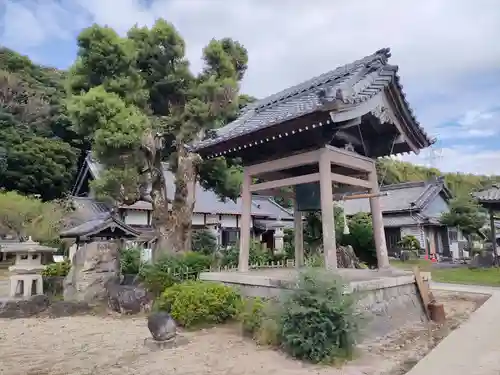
(172, 269)
(318, 321)
(257, 255)
(130, 261)
(361, 239)
(60, 269)
(409, 242)
(251, 315)
(204, 242)
(193, 303)
(260, 320)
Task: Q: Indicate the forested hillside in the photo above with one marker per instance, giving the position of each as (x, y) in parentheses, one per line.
(40, 154)
(38, 151)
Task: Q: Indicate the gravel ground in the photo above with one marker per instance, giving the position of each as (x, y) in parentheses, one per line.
(115, 345)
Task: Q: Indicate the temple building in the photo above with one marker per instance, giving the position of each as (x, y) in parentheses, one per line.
(415, 209)
(268, 218)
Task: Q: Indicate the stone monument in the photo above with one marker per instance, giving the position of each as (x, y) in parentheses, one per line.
(25, 274)
(96, 259)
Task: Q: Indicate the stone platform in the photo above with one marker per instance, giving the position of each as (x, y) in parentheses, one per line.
(388, 298)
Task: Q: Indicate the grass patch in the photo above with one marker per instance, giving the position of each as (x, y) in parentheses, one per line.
(485, 276)
(462, 275)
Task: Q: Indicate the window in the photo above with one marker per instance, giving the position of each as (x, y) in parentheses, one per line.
(230, 237)
(453, 235)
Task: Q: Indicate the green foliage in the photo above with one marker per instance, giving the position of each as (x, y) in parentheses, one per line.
(194, 303)
(465, 214)
(361, 239)
(38, 149)
(24, 216)
(172, 269)
(130, 261)
(318, 321)
(409, 242)
(60, 269)
(461, 184)
(257, 255)
(251, 315)
(203, 241)
(259, 319)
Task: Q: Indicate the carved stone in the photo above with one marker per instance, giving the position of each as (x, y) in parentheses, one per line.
(92, 266)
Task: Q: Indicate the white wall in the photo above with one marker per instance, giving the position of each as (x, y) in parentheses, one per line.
(136, 217)
(140, 217)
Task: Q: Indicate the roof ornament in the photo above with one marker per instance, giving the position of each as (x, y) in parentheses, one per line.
(382, 113)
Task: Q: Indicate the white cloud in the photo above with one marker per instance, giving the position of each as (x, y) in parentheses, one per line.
(466, 159)
(441, 46)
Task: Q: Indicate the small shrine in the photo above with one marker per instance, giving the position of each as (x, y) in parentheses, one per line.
(25, 274)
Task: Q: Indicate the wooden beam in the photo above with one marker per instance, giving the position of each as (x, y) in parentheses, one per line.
(311, 157)
(347, 180)
(285, 182)
(362, 196)
(350, 159)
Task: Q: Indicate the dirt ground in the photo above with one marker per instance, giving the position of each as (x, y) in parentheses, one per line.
(115, 345)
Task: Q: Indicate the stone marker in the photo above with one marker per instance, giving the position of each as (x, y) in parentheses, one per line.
(163, 330)
(92, 266)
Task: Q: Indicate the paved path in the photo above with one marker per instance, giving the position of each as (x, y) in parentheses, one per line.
(473, 348)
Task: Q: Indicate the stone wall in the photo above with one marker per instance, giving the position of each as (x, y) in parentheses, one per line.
(390, 308)
(387, 303)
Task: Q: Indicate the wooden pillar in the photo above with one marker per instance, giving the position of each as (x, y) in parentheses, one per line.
(246, 202)
(328, 221)
(298, 229)
(493, 233)
(378, 224)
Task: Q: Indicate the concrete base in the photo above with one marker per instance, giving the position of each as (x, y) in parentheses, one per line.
(388, 298)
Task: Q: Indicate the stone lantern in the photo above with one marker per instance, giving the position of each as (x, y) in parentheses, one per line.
(25, 274)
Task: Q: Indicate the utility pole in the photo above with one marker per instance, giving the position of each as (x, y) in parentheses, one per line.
(433, 156)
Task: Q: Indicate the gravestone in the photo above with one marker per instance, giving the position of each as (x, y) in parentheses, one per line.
(93, 265)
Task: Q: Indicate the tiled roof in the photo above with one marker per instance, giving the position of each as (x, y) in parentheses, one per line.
(400, 197)
(491, 194)
(98, 223)
(350, 84)
(207, 201)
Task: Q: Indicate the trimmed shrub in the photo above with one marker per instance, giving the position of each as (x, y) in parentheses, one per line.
(193, 303)
(257, 255)
(130, 261)
(361, 239)
(172, 269)
(318, 322)
(204, 242)
(60, 269)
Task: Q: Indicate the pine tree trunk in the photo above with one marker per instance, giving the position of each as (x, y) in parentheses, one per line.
(173, 226)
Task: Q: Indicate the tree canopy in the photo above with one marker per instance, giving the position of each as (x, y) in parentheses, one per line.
(136, 101)
(466, 214)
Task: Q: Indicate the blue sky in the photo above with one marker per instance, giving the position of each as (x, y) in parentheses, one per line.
(447, 51)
